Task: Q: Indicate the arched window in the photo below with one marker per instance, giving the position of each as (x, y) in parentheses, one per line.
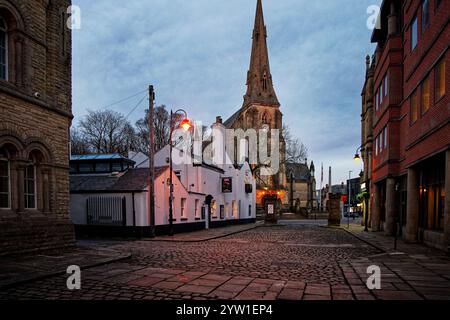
(5, 180)
(30, 180)
(266, 118)
(3, 49)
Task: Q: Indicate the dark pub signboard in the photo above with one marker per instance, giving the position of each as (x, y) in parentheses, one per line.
(227, 185)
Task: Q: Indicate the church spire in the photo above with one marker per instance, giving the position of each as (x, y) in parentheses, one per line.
(259, 79)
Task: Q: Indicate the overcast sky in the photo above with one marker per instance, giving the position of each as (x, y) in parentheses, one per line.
(196, 53)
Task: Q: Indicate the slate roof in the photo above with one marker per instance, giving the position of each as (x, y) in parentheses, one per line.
(299, 170)
(132, 180)
(229, 123)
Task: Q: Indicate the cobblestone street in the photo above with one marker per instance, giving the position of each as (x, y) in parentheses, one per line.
(279, 262)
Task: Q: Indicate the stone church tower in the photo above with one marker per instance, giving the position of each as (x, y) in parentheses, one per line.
(261, 106)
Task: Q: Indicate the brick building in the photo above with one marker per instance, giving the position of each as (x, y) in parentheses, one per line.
(35, 116)
(405, 122)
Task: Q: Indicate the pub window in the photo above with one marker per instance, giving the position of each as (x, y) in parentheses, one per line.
(440, 80)
(414, 107)
(183, 207)
(197, 212)
(425, 14)
(414, 33)
(222, 211)
(30, 187)
(425, 95)
(5, 190)
(3, 49)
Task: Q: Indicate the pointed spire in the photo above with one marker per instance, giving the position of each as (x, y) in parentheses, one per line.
(259, 79)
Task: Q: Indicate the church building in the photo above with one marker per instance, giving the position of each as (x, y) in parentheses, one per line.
(260, 109)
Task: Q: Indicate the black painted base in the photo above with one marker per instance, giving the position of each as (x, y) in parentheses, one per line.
(85, 231)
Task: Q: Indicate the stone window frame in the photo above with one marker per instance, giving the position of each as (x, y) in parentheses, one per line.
(19, 153)
(16, 45)
(8, 176)
(4, 51)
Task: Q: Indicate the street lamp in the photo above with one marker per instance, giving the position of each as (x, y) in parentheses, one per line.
(366, 209)
(186, 125)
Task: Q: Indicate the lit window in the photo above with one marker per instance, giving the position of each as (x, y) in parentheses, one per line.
(183, 207)
(30, 187)
(4, 185)
(380, 91)
(414, 107)
(425, 14)
(440, 80)
(3, 50)
(386, 85)
(414, 33)
(425, 95)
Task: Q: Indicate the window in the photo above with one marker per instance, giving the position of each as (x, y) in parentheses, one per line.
(380, 91)
(376, 146)
(414, 34)
(116, 167)
(438, 3)
(86, 167)
(414, 107)
(440, 80)
(102, 167)
(183, 207)
(234, 208)
(3, 50)
(197, 212)
(425, 14)
(222, 211)
(4, 185)
(213, 208)
(385, 133)
(425, 105)
(250, 210)
(30, 187)
(386, 85)
(376, 101)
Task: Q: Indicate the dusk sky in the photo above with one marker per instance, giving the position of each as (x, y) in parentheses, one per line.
(196, 54)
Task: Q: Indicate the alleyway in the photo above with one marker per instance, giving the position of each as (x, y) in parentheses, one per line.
(280, 262)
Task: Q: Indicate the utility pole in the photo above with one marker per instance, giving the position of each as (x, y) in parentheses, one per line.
(151, 161)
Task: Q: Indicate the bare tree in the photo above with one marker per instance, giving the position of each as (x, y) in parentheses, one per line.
(78, 143)
(296, 151)
(161, 123)
(107, 132)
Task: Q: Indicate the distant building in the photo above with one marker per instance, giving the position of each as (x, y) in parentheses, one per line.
(405, 122)
(301, 187)
(35, 117)
(109, 194)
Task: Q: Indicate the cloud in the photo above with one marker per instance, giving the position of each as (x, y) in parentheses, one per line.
(196, 54)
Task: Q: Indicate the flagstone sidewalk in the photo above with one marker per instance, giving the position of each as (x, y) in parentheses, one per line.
(206, 235)
(19, 269)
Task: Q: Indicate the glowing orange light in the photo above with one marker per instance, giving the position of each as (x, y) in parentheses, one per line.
(186, 125)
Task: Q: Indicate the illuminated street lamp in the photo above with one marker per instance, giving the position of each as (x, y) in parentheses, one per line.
(186, 125)
(366, 216)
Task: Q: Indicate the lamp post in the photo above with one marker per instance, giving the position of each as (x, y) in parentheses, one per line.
(151, 161)
(366, 205)
(186, 126)
(349, 197)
